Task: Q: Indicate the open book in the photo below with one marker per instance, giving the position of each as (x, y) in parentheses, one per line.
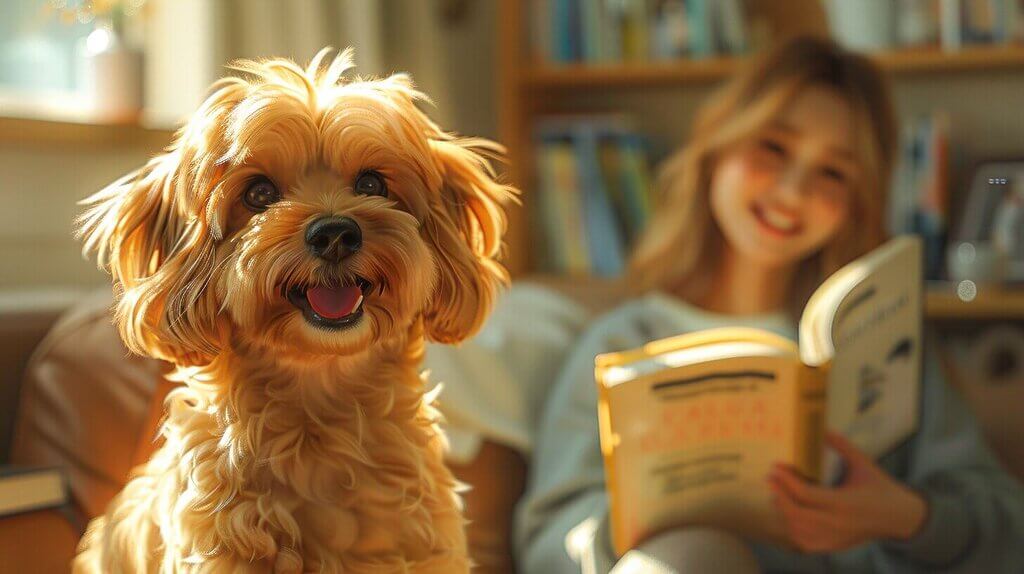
(691, 425)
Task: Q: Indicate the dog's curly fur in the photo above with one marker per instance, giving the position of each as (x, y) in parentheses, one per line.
(292, 447)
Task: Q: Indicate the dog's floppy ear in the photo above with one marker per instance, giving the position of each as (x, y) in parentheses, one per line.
(466, 237)
(160, 256)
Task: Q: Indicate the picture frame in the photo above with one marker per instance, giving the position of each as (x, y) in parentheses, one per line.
(990, 183)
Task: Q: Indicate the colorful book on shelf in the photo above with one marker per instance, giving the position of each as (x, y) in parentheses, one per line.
(636, 41)
(690, 426)
(671, 30)
(548, 209)
(604, 239)
(635, 182)
(566, 30)
(610, 157)
(701, 27)
(611, 30)
(541, 38)
(919, 199)
(559, 170)
(731, 23)
(601, 31)
(592, 42)
(950, 24)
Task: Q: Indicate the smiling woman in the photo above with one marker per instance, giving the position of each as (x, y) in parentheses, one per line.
(783, 181)
(819, 131)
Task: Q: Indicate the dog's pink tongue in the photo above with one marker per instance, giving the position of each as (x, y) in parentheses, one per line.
(333, 302)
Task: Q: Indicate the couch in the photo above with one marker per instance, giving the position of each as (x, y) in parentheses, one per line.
(88, 406)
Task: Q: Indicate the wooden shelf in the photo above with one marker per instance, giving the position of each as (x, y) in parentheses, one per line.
(61, 119)
(51, 132)
(968, 59)
(628, 75)
(683, 72)
(940, 299)
(990, 302)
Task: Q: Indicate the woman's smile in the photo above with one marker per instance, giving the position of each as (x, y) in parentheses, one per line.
(776, 223)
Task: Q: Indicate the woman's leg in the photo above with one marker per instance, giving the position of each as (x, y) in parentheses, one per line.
(703, 550)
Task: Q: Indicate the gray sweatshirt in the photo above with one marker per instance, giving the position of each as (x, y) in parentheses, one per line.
(976, 509)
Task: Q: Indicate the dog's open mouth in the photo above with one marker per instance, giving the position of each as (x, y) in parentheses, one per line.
(330, 306)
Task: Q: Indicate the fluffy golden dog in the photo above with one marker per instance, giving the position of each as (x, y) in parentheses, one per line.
(290, 252)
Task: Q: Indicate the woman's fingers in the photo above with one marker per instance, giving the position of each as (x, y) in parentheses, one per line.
(807, 529)
(845, 448)
(801, 491)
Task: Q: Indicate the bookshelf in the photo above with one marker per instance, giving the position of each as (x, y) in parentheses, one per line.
(529, 90)
(547, 78)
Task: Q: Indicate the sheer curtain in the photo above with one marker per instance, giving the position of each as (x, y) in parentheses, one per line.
(188, 42)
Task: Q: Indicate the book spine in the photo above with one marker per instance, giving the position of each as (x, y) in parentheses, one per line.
(603, 237)
(591, 33)
(733, 26)
(810, 422)
(701, 32)
(951, 24)
(541, 41)
(611, 24)
(636, 182)
(553, 215)
(571, 202)
(636, 36)
(611, 174)
(670, 31)
(564, 31)
(609, 442)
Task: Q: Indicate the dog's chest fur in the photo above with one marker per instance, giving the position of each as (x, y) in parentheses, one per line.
(322, 464)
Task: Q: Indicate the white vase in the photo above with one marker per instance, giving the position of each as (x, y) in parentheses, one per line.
(112, 77)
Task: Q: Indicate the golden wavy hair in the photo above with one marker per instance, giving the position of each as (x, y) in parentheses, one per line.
(682, 241)
(166, 231)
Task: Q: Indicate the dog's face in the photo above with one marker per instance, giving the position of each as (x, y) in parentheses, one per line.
(297, 212)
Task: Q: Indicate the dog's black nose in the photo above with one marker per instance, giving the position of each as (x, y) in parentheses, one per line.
(334, 238)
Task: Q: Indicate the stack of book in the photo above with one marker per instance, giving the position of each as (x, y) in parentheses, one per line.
(593, 190)
(608, 31)
(918, 202)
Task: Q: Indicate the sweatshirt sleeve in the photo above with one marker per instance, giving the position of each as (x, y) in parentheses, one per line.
(557, 522)
(976, 509)
(491, 382)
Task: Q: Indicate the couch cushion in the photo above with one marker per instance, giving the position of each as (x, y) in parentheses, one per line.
(40, 542)
(84, 403)
(25, 318)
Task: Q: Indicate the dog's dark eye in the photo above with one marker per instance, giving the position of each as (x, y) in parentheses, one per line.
(371, 183)
(261, 193)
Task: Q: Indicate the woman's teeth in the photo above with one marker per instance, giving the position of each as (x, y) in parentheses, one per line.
(778, 220)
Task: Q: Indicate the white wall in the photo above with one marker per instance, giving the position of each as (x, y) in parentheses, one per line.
(39, 189)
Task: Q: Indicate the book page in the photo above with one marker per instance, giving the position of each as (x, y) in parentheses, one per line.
(693, 445)
(872, 329)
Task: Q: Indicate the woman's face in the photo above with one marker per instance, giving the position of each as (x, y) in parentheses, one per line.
(782, 194)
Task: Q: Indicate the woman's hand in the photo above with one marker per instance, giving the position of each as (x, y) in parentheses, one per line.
(867, 506)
